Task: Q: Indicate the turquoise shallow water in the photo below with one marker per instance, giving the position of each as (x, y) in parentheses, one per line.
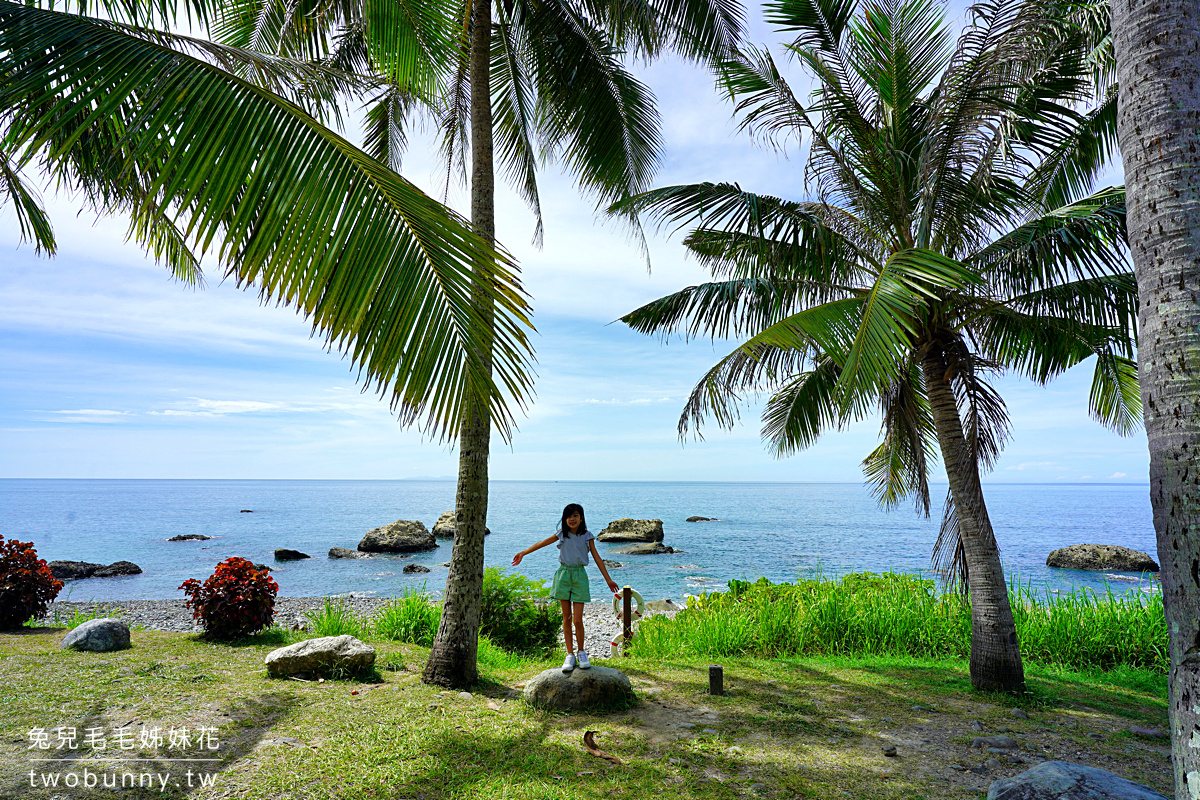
(777, 530)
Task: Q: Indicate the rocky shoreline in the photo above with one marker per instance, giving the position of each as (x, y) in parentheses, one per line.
(600, 625)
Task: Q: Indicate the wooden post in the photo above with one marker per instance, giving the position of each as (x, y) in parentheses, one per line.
(716, 679)
(627, 617)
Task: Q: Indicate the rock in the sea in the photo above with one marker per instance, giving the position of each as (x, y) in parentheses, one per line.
(189, 537)
(345, 552)
(327, 654)
(613, 564)
(98, 635)
(652, 549)
(446, 527)
(262, 568)
(632, 530)
(284, 554)
(402, 536)
(1102, 557)
(664, 606)
(582, 689)
(247, 511)
(702, 519)
(78, 570)
(1058, 780)
(410, 569)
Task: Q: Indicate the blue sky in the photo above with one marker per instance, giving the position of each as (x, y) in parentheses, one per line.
(108, 368)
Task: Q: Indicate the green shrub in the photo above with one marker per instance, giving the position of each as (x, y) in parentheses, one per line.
(895, 614)
(516, 614)
(409, 618)
(337, 618)
(235, 601)
(26, 585)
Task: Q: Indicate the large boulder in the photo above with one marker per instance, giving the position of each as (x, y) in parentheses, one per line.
(327, 654)
(597, 688)
(1058, 780)
(702, 519)
(632, 530)
(402, 536)
(446, 527)
(189, 537)
(78, 570)
(98, 635)
(345, 552)
(1101, 557)
(284, 554)
(414, 569)
(652, 549)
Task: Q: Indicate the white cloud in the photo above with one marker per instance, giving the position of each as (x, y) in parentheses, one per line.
(1033, 465)
(1116, 475)
(86, 415)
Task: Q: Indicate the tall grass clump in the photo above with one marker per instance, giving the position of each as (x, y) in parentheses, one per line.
(337, 618)
(516, 614)
(411, 617)
(894, 614)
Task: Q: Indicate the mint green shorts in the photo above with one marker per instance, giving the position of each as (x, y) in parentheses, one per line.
(571, 583)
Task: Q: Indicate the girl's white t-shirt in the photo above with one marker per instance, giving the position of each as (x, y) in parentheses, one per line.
(573, 550)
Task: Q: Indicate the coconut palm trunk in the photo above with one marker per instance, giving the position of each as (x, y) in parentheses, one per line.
(452, 659)
(995, 654)
(1157, 48)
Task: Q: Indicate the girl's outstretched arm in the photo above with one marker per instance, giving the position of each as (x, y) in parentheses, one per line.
(517, 558)
(612, 585)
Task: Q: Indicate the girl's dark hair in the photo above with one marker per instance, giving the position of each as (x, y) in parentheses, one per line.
(572, 508)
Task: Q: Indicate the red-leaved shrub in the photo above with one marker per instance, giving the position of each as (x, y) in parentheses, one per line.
(26, 585)
(235, 601)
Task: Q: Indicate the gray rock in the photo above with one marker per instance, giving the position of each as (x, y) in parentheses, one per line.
(98, 635)
(1101, 557)
(993, 763)
(664, 606)
(410, 569)
(652, 549)
(262, 568)
(976, 725)
(889, 750)
(284, 554)
(328, 653)
(613, 564)
(401, 536)
(1058, 780)
(446, 527)
(1018, 713)
(632, 530)
(117, 569)
(1149, 733)
(189, 537)
(78, 570)
(702, 519)
(999, 742)
(581, 689)
(344, 552)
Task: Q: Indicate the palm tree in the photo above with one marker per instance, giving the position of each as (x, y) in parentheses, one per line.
(529, 81)
(1156, 46)
(949, 242)
(159, 127)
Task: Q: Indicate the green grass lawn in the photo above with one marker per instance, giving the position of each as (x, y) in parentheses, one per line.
(809, 727)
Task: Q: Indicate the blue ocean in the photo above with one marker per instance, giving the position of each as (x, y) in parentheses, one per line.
(782, 531)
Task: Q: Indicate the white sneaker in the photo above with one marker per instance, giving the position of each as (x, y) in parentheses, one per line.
(569, 664)
(583, 660)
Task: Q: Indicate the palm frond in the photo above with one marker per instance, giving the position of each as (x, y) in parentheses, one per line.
(596, 117)
(514, 112)
(802, 409)
(384, 273)
(899, 467)
(31, 216)
(1115, 399)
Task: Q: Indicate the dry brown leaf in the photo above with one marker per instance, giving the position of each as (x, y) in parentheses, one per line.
(589, 741)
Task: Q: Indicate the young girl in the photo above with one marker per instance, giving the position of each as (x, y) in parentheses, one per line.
(571, 588)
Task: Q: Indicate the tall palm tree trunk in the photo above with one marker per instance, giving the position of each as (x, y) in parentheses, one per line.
(995, 654)
(1157, 45)
(452, 659)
